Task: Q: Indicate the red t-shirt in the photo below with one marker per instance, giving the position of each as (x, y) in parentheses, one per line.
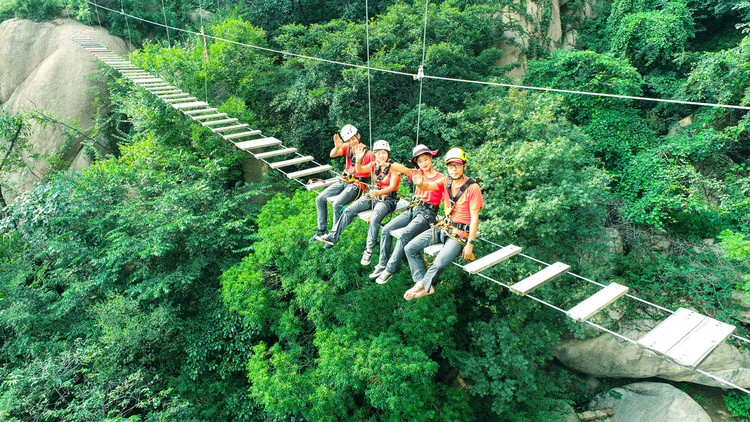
(431, 196)
(386, 181)
(350, 162)
(471, 198)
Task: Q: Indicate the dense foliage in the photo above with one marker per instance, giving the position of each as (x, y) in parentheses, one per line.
(159, 284)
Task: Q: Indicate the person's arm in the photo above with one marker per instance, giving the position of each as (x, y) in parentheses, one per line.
(359, 153)
(473, 226)
(422, 183)
(338, 144)
(402, 169)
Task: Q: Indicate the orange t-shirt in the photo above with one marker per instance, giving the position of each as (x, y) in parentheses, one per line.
(431, 196)
(350, 162)
(471, 198)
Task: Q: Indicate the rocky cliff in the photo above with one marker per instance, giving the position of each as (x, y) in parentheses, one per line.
(44, 69)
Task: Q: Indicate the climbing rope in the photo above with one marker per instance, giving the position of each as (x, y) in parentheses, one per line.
(420, 72)
(122, 12)
(205, 51)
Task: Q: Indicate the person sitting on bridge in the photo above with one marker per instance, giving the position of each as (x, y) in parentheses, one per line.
(382, 199)
(457, 232)
(418, 217)
(349, 186)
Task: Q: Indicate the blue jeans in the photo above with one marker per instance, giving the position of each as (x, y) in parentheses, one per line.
(416, 220)
(380, 209)
(419, 272)
(342, 193)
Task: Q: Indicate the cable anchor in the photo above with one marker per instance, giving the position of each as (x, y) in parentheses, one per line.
(420, 74)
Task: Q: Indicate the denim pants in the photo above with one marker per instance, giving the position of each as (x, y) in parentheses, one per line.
(419, 272)
(380, 209)
(342, 193)
(416, 220)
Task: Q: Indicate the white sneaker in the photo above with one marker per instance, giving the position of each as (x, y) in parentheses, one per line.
(366, 257)
(377, 271)
(383, 277)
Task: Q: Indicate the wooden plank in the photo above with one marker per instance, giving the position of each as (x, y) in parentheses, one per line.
(401, 205)
(241, 135)
(670, 331)
(320, 184)
(166, 91)
(538, 279)
(190, 105)
(226, 128)
(433, 250)
(291, 162)
(700, 342)
(209, 116)
(275, 153)
(398, 232)
(597, 302)
(219, 122)
(179, 100)
(145, 81)
(194, 112)
(257, 143)
(156, 85)
(307, 172)
(175, 95)
(487, 261)
(365, 215)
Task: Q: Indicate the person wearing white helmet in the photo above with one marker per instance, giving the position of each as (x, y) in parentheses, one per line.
(349, 186)
(457, 232)
(381, 199)
(418, 217)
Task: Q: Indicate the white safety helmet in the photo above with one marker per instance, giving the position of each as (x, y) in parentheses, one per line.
(381, 144)
(347, 132)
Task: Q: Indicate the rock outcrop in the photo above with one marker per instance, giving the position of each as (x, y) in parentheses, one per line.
(651, 401)
(609, 356)
(44, 69)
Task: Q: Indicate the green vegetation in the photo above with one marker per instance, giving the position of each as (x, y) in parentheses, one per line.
(158, 284)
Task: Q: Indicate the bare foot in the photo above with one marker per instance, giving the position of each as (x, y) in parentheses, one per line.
(409, 295)
(423, 293)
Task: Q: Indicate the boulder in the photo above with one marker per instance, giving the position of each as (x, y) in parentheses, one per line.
(44, 69)
(609, 356)
(651, 401)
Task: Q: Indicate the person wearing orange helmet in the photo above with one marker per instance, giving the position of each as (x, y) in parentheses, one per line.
(457, 232)
(349, 186)
(381, 200)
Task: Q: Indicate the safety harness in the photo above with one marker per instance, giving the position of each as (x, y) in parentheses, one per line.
(382, 173)
(454, 200)
(351, 178)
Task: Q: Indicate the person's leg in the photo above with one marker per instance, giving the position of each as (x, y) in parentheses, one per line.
(417, 225)
(379, 211)
(413, 251)
(385, 236)
(349, 214)
(451, 249)
(321, 204)
(347, 195)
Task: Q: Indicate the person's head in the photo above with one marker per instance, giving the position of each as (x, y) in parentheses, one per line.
(421, 156)
(350, 133)
(455, 160)
(382, 150)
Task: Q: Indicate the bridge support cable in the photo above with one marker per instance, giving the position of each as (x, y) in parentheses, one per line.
(419, 75)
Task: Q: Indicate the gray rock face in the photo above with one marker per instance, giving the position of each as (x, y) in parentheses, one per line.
(651, 401)
(608, 356)
(43, 68)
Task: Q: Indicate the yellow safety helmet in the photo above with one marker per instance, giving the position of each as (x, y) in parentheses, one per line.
(455, 155)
